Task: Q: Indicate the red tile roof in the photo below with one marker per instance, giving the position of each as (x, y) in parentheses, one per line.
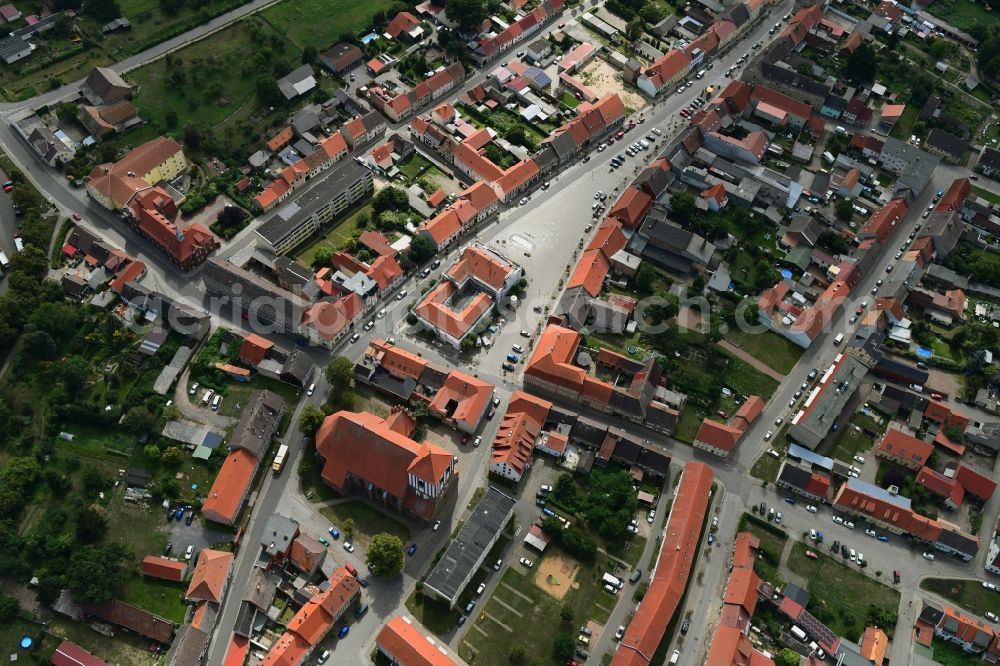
(736, 96)
(682, 537)
(280, 140)
(162, 567)
(402, 22)
(254, 348)
(882, 222)
(132, 272)
(873, 644)
(230, 488)
(955, 196)
(940, 485)
(410, 647)
(667, 67)
(314, 620)
(784, 102)
(886, 512)
(436, 309)
(907, 447)
(552, 359)
(210, 575)
(975, 483)
(631, 207)
(363, 446)
(608, 238)
(71, 654)
(590, 272)
(463, 398)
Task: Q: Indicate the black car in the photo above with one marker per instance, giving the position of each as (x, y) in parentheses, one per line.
(509, 367)
(169, 547)
(361, 581)
(685, 627)
(586, 158)
(582, 654)
(435, 263)
(190, 517)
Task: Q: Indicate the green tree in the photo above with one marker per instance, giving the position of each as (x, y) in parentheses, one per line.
(633, 30)
(151, 451)
(103, 10)
(566, 613)
(563, 647)
(172, 457)
(468, 15)
(862, 65)
(138, 419)
(322, 257)
(339, 373)
(94, 573)
(311, 419)
(8, 608)
(682, 208)
(787, 657)
(390, 199)
(74, 372)
(421, 249)
(385, 555)
(844, 210)
(309, 55)
(832, 241)
(349, 527)
(267, 90)
(644, 277)
(518, 656)
(90, 523)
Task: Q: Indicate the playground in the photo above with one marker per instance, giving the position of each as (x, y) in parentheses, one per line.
(556, 575)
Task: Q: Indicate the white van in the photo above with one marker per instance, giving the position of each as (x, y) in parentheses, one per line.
(216, 401)
(311, 389)
(840, 338)
(861, 558)
(207, 398)
(812, 534)
(675, 657)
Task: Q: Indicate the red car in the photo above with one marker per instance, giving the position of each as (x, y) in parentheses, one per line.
(619, 135)
(937, 396)
(811, 555)
(859, 311)
(465, 439)
(76, 216)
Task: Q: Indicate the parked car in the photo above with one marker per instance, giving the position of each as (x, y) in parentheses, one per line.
(411, 550)
(324, 541)
(512, 358)
(348, 546)
(437, 526)
(811, 508)
(334, 532)
(651, 516)
(928, 556)
(189, 552)
(859, 459)
(619, 632)
(496, 567)
(526, 562)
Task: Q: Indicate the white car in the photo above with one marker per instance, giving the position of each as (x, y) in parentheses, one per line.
(522, 201)
(859, 459)
(634, 529)
(477, 441)
(991, 616)
(989, 586)
(838, 520)
(870, 532)
(619, 632)
(348, 546)
(812, 508)
(437, 526)
(496, 567)
(848, 524)
(778, 421)
(381, 313)
(193, 389)
(526, 562)
(401, 295)
(370, 325)
(768, 435)
(651, 516)
(928, 556)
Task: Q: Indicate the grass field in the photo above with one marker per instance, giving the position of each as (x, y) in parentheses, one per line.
(328, 19)
(688, 423)
(218, 78)
(853, 440)
(771, 546)
(433, 613)
(769, 348)
(335, 238)
(10, 637)
(368, 521)
(969, 594)
(986, 194)
(841, 594)
(963, 14)
(767, 466)
(123, 649)
(160, 597)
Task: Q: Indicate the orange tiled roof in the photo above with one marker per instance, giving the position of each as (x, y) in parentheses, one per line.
(225, 499)
(361, 445)
(408, 646)
(901, 445)
(631, 207)
(254, 348)
(162, 567)
(608, 238)
(463, 398)
(590, 272)
(436, 309)
(552, 359)
(209, 577)
(481, 264)
(682, 537)
(280, 140)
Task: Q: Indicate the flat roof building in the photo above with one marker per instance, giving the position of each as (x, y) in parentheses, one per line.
(467, 551)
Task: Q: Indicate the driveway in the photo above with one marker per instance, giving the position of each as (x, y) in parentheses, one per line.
(196, 412)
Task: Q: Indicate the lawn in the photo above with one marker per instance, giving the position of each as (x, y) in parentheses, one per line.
(519, 612)
(767, 466)
(969, 594)
(963, 14)
(327, 20)
(951, 655)
(569, 100)
(853, 439)
(688, 423)
(336, 238)
(123, 649)
(10, 638)
(771, 546)
(415, 165)
(368, 521)
(986, 194)
(160, 597)
(433, 613)
(841, 595)
(769, 348)
(901, 130)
